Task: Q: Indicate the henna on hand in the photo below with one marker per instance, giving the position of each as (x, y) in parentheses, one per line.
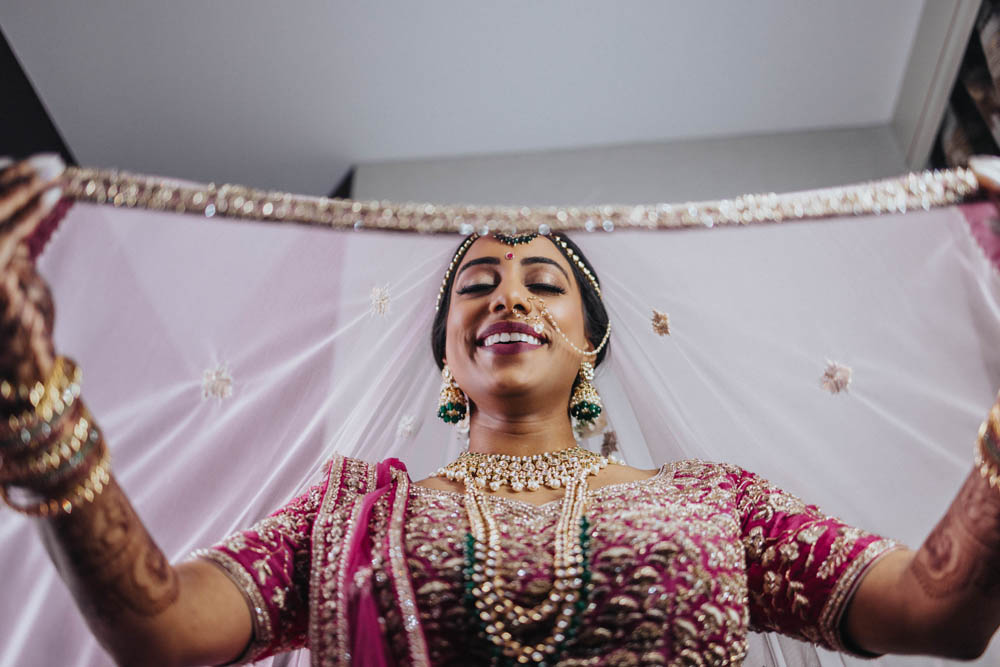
(961, 557)
(26, 320)
(110, 562)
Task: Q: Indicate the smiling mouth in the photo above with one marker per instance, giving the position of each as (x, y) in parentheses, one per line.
(506, 340)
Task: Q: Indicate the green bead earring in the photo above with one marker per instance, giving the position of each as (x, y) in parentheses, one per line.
(585, 405)
(451, 405)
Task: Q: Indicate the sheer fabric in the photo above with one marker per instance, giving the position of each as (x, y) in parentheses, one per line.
(226, 362)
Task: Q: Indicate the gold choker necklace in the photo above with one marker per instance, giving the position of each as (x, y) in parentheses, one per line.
(520, 473)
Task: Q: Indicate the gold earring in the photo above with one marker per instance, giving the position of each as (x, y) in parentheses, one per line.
(585, 405)
(451, 404)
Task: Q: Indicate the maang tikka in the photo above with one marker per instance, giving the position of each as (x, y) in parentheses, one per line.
(451, 405)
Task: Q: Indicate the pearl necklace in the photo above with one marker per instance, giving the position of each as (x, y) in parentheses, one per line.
(485, 588)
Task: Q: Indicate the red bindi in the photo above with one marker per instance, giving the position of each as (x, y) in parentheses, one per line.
(509, 255)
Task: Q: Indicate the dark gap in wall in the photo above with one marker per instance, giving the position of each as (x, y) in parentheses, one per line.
(345, 188)
(25, 125)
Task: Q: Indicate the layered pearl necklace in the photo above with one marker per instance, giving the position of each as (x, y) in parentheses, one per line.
(485, 589)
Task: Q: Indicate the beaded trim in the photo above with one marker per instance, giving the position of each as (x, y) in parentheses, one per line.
(918, 190)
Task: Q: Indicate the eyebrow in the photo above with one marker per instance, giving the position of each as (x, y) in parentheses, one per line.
(476, 262)
(495, 261)
(544, 260)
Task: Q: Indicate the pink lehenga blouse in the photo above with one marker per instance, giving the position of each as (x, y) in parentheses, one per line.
(366, 568)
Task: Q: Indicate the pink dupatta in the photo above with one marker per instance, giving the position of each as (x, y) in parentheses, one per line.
(360, 631)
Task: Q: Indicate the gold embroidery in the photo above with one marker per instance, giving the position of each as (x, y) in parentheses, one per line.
(262, 569)
(661, 323)
(772, 582)
(836, 378)
(411, 620)
(754, 542)
(893, 195)
(840, 549)
(810, 534)
(278, 598)
(789, 551)
(656, 567)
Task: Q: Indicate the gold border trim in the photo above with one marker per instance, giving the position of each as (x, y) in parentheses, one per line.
(419, 656)
(262, 631)
(319, 564)
(913, 191)
(341, 622)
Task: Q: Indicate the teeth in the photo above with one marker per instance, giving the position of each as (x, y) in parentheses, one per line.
(511, 337)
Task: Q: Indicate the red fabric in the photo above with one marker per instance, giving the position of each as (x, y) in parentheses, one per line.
(40, 237)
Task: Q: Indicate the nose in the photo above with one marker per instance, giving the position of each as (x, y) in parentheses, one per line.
(511, 297)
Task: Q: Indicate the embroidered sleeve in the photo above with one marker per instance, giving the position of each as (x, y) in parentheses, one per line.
(270, 564)
(802, 565)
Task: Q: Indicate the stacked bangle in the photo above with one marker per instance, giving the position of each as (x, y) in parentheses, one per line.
(50, 445)
(84, 492)
(50, 400)
(57, 455)
(987, 450)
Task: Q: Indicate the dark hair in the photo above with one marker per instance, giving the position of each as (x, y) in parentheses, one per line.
(595, 317)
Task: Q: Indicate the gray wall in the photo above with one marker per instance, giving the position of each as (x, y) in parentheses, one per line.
(642, 173)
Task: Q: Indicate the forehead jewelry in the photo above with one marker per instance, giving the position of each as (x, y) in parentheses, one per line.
(537, 322)
(459, 254)
(576, 259)
(513, 240)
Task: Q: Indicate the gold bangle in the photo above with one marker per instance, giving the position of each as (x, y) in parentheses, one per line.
(84, 492)
(49, 404)
(55, 456)
(51, 396)
(72, 466)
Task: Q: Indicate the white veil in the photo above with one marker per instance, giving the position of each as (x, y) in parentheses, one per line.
(225, 361)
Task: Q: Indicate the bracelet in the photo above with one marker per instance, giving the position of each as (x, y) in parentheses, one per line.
(60, 454)
(50, 401)
(84, 492)
(44, 392)
(72, 465)
(987, 451)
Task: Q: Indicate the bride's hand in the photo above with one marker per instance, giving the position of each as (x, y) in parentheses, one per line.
(28, 192)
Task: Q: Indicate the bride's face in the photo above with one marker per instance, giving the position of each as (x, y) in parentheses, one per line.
(485, 340)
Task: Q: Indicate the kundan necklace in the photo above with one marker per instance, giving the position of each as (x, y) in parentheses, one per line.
(485, 595)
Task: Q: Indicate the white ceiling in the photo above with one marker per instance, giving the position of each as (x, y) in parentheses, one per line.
(290, 94)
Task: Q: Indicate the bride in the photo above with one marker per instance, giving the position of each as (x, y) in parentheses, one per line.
(526, 549)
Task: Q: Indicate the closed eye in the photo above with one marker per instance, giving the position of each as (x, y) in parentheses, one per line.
(476, 288)
(545, 287)
(479, 288)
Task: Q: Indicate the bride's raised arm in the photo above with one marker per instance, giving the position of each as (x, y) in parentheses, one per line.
(943, 598)
(54, 466)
